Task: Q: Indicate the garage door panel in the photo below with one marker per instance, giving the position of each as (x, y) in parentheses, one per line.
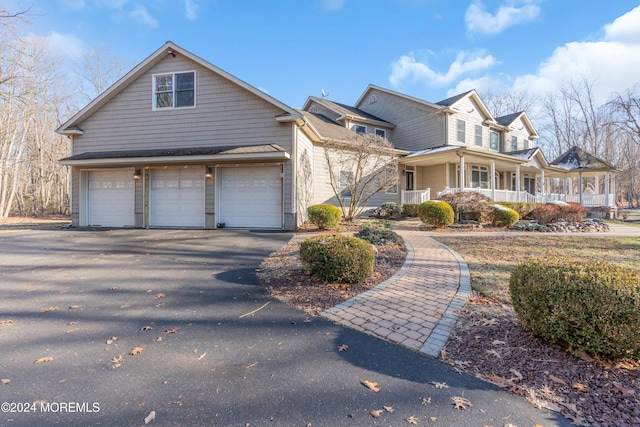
(177, 198)
(110, 198)
(251, 197)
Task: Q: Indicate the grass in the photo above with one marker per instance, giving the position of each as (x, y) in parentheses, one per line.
(492, 258)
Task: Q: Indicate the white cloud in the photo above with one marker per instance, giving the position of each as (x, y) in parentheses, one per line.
(66, 45)
(140, 14)
(407, 68)
(611, 64)
(479, 21)
(191, 9)
(333, 4)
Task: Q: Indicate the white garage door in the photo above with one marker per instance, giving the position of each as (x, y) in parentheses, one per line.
(176, 198)
(251, 197)
(110, 198)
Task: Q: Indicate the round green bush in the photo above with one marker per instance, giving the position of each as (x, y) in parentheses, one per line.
(378, 235)
(436, 213)
(504, 216)
(410, 210)
(344, 259)
(592, 307)
(325, 216)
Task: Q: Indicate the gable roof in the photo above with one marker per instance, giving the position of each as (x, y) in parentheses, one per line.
(372, 87)
(325, 128)
(346, 111)
(452, 100)
(169, 48)
(508, 119)
(450, 103)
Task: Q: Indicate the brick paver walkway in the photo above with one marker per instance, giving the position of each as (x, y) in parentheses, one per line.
(416, 307)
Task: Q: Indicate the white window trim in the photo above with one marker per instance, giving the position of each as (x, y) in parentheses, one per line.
(153, 91)
(497, 148)
(357, 125)
(481, 169)
(384, 132)
(458, 131)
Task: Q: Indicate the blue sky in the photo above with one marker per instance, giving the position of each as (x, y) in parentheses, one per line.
(430, 49)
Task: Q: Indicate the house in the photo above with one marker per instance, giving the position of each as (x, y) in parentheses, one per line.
(179, 142)
(457, 145)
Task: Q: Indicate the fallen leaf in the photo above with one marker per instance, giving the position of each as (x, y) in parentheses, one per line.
(43, 360)
(160, 305)
(460, 402)
(72, 323)
(111, 340)
(426, 400)
(489, 322)
(626, 391)
(373, 386)
(136, 350)
(580, 387)
(171, 331)
(48, 309)
(117, 359)
(498, 342)
(495, 353)
(203, 355)
(150, 417)
(73, 307)
(376, 413)
(160, 295)
(439, 385)
(6, 322)
(71, 330)
(412, 420)
(113, 288)
(343, 347)
(251, 365)
(433, 419)
(389, 409)
(146, 328)
(557, 380)
(516, 373)
(496, 379)
(5, 381)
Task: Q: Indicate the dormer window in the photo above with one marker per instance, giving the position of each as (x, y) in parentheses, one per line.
(360, 129)
(381, 132)
(174, 90)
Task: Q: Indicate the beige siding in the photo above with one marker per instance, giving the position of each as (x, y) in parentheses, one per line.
(418, 126)
(521, 132)
(317, 108)
(470, 113)
(433, 177)
(225, 114)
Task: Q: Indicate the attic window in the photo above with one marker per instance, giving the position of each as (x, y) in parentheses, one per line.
(372, 99)
(174, 90)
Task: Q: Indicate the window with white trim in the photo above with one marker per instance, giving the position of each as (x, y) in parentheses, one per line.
(174, 90)
(494, 140)
(346, 184)
(461, 131)
(381, 132)
(360, 129)
(479, 177)
(514, 143)
(526, 144)
(479, 135)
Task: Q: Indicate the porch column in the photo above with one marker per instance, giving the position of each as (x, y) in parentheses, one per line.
(518, 182)
(580, 187)
(493, 180)
(570, 186)
(461, 173)
(613, 189)
(543, 183)
(607, 179)
(596, 184)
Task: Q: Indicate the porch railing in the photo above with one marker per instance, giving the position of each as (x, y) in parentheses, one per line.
(499, 195)
(415, 196)
(588, 200)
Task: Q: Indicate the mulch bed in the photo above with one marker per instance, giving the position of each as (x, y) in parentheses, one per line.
(488, 342)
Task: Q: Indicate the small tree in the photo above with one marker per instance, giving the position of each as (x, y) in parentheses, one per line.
(358, 169)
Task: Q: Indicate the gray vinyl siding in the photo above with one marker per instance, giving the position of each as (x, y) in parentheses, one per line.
(316, 108)
(418, 126)
(225, 114)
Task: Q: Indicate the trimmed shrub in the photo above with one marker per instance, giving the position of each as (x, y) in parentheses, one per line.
(436, 213)
(344, 259)
(471, 203)
(573, 212)
(378, 235)
(387, 210)
(592, 307)
(325, 216)
(410, 210)
(546, 213)
(504, 216)
(523, 208)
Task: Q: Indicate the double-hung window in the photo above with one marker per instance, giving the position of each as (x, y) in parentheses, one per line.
(461, 131)
(514, 143)
(360, 129)
(174, 90)
(479, 135)
(479, 177)
(381, 132)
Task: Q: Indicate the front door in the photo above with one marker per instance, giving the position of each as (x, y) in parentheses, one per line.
(409, 180)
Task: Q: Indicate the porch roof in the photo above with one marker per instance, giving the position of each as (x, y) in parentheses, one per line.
(452, 154)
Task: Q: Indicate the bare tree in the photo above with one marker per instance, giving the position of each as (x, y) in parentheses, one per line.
(508, 102)
(358, 169)
(97, 70)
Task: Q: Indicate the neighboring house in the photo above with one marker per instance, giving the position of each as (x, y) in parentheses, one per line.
(178, 142)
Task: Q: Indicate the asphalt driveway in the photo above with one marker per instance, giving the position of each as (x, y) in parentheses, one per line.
(210, 346)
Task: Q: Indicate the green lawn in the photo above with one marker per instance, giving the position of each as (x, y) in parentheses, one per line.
(491, 258)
